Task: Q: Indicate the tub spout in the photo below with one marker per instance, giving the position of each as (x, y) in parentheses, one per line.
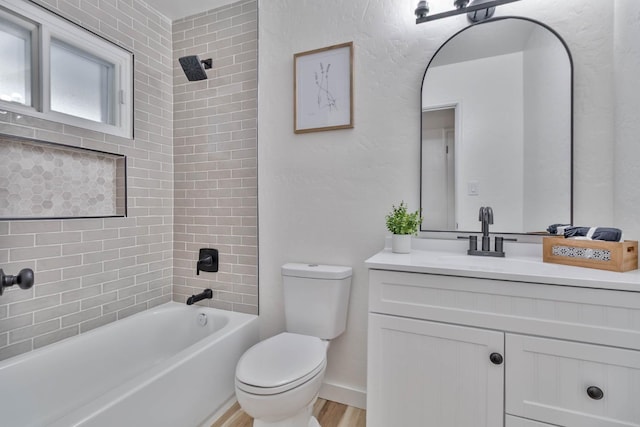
(206, 294)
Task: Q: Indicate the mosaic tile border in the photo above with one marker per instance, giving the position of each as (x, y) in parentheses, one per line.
(586, 253)
(47, 180)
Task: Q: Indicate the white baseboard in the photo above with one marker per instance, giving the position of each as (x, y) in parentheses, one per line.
(344, 394)
(220, 412)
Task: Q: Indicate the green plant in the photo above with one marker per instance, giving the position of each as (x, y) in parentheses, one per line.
(399, 221)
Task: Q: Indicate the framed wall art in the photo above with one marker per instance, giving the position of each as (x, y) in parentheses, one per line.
(323, 89)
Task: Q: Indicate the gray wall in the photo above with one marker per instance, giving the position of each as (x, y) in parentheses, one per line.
(215, 159)
(90, 272)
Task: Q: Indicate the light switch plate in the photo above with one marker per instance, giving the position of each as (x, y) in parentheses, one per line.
(473, 188)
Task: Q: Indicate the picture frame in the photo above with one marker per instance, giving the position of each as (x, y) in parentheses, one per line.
(323, 89)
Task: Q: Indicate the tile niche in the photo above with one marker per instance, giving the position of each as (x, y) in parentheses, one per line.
(43, 180)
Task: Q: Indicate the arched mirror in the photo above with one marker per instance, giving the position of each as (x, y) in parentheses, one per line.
(497, 129)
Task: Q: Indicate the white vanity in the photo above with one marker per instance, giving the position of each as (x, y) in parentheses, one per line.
(457, 341)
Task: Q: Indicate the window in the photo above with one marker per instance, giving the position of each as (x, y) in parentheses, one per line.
(54, 70)
(81, 84)
(16, 46)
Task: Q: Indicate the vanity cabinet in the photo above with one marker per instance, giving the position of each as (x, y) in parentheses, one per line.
(568, 355)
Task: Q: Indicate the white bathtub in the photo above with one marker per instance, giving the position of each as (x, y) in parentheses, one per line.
(158, 368)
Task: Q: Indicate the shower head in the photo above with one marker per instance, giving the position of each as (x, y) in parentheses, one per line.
(194, 68)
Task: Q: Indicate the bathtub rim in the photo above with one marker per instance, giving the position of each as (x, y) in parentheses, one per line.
(111, 397)
(19, 358)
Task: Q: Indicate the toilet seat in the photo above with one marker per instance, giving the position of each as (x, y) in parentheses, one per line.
(280, 363)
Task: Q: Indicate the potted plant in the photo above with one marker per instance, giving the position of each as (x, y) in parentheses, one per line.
(403, 225)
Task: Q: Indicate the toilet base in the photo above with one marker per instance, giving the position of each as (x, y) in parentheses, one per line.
(301, 419)
(313, 422)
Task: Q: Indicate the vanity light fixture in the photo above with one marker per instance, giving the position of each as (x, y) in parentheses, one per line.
(422, 10)
(476, 10)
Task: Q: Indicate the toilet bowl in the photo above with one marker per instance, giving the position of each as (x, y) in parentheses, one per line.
(278, 379)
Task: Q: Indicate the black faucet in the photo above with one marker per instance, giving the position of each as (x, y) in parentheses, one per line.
(485, 215)
(206, 294)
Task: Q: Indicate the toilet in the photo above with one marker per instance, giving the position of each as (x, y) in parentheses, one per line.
(278, 379)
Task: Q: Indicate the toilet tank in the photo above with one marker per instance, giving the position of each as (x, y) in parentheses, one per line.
(316, 298)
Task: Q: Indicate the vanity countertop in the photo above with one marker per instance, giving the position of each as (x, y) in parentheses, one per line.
(523, 263)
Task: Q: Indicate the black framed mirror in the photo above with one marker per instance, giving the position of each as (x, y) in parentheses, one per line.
(497, 129)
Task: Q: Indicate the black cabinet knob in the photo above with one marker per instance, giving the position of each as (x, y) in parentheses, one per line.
(496, 358)
(595, 393)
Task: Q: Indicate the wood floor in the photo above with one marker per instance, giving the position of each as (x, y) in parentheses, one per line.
(328, 413)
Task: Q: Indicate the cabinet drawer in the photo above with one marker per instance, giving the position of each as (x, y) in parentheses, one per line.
(596, 316)
(511, 421)
(547, 380)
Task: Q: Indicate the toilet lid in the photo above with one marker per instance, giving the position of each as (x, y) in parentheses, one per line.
(281, 360)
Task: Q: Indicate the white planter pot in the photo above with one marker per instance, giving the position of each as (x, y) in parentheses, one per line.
(401, 243)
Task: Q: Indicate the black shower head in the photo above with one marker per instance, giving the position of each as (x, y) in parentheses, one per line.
(194, 68)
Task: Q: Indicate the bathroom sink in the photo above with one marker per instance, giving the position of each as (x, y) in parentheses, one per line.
(464, 262)
(478, 261)
(456, 260)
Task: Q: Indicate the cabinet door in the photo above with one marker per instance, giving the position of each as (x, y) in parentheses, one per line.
(427, 374)
(572, 384)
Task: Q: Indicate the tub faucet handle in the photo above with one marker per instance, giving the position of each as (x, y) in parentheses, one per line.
(203, 262)
(207, 261)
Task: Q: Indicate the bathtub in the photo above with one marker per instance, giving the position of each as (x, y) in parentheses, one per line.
(171, 366)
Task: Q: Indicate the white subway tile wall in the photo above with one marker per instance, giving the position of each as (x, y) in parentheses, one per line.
(196, 140)
(215, 156)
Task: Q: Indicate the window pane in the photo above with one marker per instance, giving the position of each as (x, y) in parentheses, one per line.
(15, 66)
(81, 84)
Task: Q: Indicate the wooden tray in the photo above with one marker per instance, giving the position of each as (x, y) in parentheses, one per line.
(613, 256)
